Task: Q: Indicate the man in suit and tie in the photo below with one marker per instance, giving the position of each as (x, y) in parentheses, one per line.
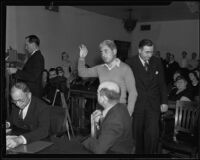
(29, 118)
(114, 133)
(31, 73)
(151, 100)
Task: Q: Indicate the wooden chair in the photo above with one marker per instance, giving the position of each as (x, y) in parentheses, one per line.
(182, 141)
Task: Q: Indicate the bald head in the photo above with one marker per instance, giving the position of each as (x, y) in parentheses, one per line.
(109, 89)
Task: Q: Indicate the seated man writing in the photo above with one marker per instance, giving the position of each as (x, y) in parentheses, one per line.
(29, 115)
(111, 129)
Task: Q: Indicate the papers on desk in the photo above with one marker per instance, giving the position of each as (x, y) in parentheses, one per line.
(10, 137)
(31, 148)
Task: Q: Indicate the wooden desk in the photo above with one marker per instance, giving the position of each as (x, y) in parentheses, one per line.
(62, 147)
(80, 101)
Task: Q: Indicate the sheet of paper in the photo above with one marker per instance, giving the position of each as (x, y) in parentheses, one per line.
(33, 147)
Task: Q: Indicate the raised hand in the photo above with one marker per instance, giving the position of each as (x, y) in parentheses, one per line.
(13, 141)
(83, 51)
(164, 108)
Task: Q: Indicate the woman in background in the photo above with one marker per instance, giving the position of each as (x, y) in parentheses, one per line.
(195, 83)
(67, 66)
(182, 90)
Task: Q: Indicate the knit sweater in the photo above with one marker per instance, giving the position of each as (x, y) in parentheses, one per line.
(122, 75)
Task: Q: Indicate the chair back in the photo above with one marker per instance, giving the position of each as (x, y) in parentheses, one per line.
(185, 116)
(57, 120)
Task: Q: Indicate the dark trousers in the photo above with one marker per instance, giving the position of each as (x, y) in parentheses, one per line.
(146, 132)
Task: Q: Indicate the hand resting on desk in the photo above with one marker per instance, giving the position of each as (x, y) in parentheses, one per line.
(13, 141)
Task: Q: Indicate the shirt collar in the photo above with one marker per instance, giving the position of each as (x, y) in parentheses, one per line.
(114, 63)
(142, 60)
(105, 111)
(34, 52)
(25, 110)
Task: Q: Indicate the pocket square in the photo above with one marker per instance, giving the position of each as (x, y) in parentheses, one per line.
(156, 72)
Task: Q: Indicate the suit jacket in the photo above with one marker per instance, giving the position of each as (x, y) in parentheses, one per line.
(115, 134)
(35, 125)
(31, 73)
(151, 87)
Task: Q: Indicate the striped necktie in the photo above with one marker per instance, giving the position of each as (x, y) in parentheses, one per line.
(146, 65)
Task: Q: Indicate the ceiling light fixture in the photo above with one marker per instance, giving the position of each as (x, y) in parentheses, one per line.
(130, 23)
(52, 7)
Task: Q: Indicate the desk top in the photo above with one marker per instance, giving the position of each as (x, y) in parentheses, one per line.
(55, 146)
(65, 147)
(30, 148)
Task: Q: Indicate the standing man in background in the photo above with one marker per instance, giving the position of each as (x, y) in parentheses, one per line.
(112, 70)
(31, 73)
(151, 100)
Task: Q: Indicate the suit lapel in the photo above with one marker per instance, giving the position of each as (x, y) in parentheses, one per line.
(141, 70)
(30, 110)
(108, 114)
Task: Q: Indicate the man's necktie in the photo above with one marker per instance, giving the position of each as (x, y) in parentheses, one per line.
(146, 65)
(21, 113)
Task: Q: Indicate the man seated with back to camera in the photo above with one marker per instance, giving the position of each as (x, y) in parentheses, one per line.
(111, 129)
(29, 119)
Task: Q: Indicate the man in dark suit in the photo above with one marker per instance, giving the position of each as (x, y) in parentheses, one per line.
(29, 118)
(152, 97)
(31, 73)
(114, 134)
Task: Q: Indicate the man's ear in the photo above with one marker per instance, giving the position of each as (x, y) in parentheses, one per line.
(104, 98)
(29, 95)
(115, 51)
(139, 50)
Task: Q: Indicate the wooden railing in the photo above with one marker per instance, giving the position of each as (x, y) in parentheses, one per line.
(78, 101)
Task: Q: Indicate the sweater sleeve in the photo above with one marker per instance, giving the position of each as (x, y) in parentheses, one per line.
(86, 72)
(132, 92)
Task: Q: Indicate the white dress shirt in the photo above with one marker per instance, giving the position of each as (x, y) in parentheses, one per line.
(115, 63)
(143, 62)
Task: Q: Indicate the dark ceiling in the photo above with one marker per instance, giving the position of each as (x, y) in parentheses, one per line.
(148, 13)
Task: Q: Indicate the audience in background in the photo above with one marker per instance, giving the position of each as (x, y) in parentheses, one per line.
(61, 80)
(195, 83)
(193, 62)
(57, 82)
(157, 54)
(171, 85)
(182, 90)
(52, 73)
(67, 66)
(197, 72)
(184, 60)
(45, 78)
(165, 64)
(171, 68)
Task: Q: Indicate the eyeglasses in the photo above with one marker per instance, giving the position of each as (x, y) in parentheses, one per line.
(18, 101)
